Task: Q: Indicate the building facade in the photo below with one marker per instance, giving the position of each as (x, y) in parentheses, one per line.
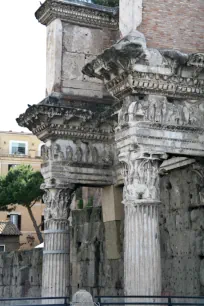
(16, 149)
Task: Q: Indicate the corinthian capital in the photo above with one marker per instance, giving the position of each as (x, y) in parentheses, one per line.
(58, 200)
(141, 176)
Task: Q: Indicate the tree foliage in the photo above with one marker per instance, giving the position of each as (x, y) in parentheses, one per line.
(21, 186)
(111, 3)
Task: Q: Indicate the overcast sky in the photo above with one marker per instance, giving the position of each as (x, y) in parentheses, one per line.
(22, 60)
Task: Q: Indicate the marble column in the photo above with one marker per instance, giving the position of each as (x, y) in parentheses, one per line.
(142, 259)
(56, 276)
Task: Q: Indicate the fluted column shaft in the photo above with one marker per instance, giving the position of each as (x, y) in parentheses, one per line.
(142, 259)
(142, 250)
(56, 274)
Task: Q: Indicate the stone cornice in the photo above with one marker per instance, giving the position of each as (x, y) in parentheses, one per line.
(77, 12)
(129, 67)
(53, 118)
(159, 84)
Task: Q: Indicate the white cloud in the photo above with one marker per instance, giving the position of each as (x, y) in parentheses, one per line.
(22, 60)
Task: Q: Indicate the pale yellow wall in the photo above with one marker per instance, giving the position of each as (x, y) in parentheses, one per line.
(6, 137)
(33, 160)
(33, 151)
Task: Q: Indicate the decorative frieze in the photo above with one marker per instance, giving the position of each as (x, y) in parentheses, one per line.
(159, 110)
(79, 154)
(89, 163)
(78, 12)
(158, 84)
(161, 124)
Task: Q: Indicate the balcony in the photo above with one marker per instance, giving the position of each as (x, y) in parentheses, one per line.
(31, 154)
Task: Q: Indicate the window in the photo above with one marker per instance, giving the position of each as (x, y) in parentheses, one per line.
(19, 222)
(40, 149)
(15, 219)
(2, 248)
(11, 166)
(18, 147)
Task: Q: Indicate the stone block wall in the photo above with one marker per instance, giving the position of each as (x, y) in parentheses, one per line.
(173, 24)
(21, 274)
(182, 232)
(90, 266)
(80, 45)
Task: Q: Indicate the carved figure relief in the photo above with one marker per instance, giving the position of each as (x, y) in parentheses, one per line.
(78, 155)
(107, 157)
(95, 156)
(44, 153)
(88, 155)
(69, 153)
(56, 152)
(158, 109)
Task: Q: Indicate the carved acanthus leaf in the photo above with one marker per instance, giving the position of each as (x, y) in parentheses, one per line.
(58, 201)
(141, 176)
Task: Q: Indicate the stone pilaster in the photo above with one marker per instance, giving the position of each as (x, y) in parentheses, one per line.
(56, 253)
(142, 266)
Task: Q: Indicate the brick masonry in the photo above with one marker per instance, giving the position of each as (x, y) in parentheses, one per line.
(174, 24)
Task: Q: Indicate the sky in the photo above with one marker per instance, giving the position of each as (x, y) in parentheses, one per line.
(22, 60)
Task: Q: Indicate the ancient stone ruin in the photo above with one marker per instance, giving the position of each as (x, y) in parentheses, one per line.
(119, 113)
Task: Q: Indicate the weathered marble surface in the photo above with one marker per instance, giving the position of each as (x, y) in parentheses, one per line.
(54, 57)
(130, 15)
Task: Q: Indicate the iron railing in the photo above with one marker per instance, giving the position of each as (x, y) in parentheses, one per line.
(108, 300)
(7, 153)
(150, 300)
(45, 301)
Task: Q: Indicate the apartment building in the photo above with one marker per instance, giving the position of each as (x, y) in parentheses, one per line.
(15, 149)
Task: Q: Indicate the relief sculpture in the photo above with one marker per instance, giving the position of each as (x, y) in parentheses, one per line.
(69, 153)
(78, 155)
(157, 109)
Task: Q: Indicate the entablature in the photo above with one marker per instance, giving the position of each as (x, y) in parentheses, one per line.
(154, 123)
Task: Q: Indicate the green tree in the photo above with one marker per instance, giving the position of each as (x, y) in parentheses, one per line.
(21, 186)
(111, 3)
